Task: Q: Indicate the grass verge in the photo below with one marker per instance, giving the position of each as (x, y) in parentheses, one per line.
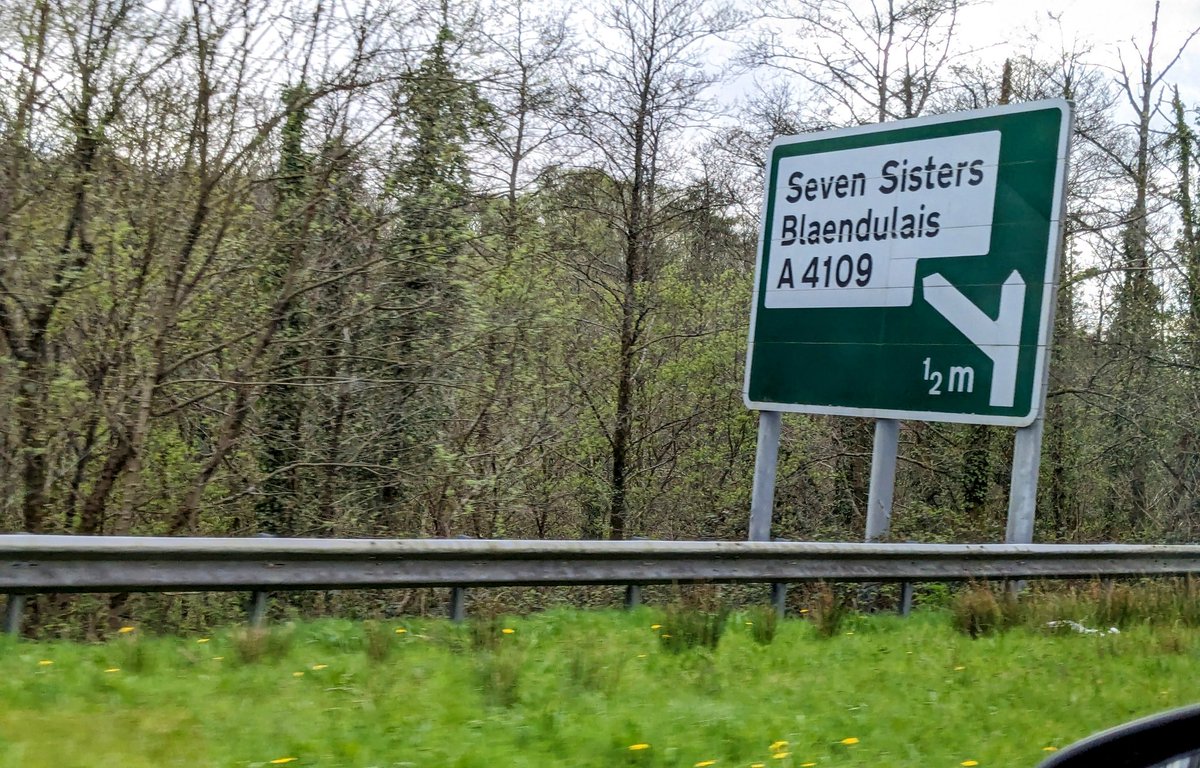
(584, 689)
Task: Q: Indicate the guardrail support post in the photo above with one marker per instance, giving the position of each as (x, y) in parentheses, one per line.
(12, 614)
(458, 595)
(458, 603)
(779, 598)
(257, 615)
(633, 596)
(633, 592)
(906, 598)
(779, 592)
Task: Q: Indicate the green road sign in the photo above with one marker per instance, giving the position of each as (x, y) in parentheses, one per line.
(908, 270)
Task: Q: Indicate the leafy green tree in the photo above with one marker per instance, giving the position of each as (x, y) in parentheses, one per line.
(281, 404)
(412, 333)
(633, 101)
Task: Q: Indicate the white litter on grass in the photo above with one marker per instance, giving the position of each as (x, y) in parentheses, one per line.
(1076, 626)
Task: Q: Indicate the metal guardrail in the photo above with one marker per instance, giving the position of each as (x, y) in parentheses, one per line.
(116, 564)
(32, 564)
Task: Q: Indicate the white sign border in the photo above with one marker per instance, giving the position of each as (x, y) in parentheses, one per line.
(1054, 250)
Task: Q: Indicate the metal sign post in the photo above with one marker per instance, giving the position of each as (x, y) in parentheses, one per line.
(1027, 450)
(762, 494)
(766, 457)
(883, 478)
(1022, 497)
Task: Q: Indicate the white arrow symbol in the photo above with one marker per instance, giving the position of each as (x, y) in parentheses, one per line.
(999, 339)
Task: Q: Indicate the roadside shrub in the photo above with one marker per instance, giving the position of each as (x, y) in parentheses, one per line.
(1187, 592)
(764, 623)
(1168, 602)
(499, 676)
(1173, 641)
(254, 644)
(133, 654)
(486, 632)
(976, 611)
(686, 627)
(933, 595)
(829, 612)
(1191, 601)
(1120, 606)
(1104, 604)
(589, 669)
(1013, 611)
(453, 636)
(378, 641)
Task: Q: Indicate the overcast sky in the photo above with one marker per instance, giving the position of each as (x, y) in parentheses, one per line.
(1107, 25)
(993, 30)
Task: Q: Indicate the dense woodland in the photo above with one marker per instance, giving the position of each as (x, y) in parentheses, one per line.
(407, 270)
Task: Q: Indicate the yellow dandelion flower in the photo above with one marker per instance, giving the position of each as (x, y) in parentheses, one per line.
(297, 674)
(282, 760)
(400, 630)
(969, 763)
(849, 740)
(45, 663)
(113, 669)
(704, 763)
(320, 666)
(656, 626)
(638, 747)
(508, 630)
(781, 755)
(758, 765)
(777, 745)
(807, 765)
(202, 640)
(1049, 749)
(959, 669)
(125, 630)
(803, 610)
